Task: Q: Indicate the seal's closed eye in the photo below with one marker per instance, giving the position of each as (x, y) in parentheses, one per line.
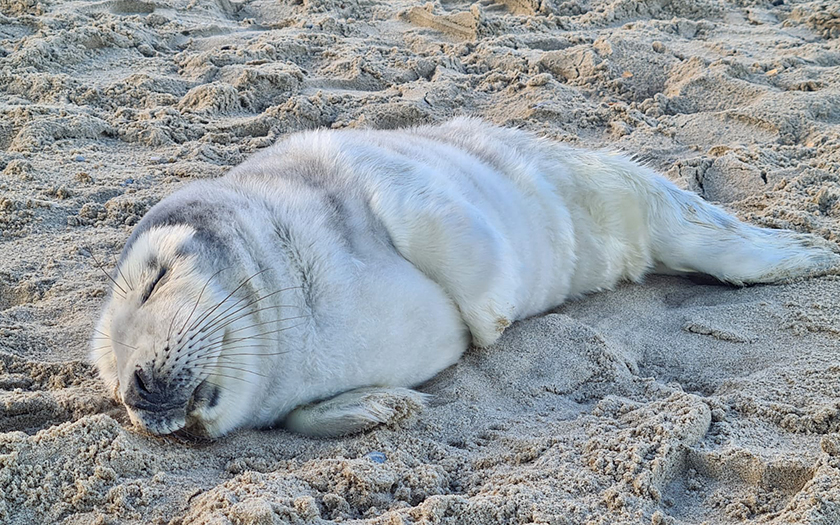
(154, 283)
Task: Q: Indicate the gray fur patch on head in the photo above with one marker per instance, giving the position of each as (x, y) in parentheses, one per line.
(209, 215)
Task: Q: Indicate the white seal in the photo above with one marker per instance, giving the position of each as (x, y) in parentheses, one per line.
(319, 280)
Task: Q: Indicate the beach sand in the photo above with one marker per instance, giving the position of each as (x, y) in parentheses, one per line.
(673, 401)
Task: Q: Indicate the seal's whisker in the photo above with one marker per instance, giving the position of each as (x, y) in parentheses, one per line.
(205, 336)
(108, 275)
(221, 387)
(254, 354)
(224, 315)
(172, 321)
(244, 380)
(103, 356)
(240, 316)
(197, 324)
(218, 347)
(228, 323)
(119, 270)
(217, 366)
(218, 351)
(267, 322)
(223, 342)
(106, 336)
(201, 293)
(283, 329)
(116, 292)
(206, 360)
(261, 338)
(257, 337)
(204, 316)
(227, 344)
(213, 364)
(103, 347)
(253, 338)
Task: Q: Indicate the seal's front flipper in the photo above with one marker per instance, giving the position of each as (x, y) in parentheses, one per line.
(355, 411)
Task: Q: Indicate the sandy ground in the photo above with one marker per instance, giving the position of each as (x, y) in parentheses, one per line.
(669, 402)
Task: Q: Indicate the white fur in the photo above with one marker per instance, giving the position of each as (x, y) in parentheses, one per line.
(405, 242)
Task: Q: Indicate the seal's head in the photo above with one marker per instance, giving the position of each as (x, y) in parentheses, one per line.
(169, 339)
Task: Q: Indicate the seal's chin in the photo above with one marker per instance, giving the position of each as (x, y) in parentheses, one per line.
(186, 418)
(160, 422)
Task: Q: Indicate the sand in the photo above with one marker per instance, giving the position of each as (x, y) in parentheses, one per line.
(674, 401)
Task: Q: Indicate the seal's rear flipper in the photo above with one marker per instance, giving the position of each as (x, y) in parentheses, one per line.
(355, 411)
(690, 234)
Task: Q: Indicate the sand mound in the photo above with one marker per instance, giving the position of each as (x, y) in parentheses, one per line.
(668, 402)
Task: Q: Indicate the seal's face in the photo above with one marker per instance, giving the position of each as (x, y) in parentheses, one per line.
(163, 341)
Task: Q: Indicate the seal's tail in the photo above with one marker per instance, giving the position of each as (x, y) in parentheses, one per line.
(690, 234)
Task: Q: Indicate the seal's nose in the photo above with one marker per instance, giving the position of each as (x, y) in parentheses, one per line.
(146, 393)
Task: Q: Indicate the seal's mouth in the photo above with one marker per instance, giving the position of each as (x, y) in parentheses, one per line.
(166, 420)
(159, 422)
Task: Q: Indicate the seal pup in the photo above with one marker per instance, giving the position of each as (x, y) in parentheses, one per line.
(316, 282)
